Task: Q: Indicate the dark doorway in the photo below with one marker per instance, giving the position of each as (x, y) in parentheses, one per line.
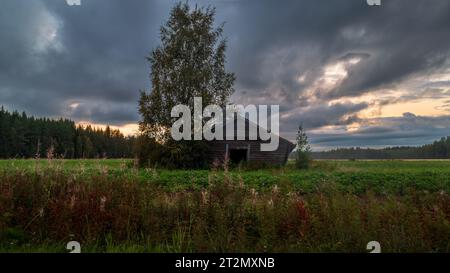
(238, 155)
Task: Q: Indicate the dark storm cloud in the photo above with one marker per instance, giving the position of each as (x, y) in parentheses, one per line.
(96, 58)
(97, 55)
(109, 113)
(323, 115)
(402, 38)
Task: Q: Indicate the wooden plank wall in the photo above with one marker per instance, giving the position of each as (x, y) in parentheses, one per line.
(218, 150)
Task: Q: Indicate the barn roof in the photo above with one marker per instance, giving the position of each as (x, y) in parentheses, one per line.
(248, 126)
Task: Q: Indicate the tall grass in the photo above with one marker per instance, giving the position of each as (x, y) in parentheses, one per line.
(43, 209)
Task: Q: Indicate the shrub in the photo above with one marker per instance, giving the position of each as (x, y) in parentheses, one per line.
(303, 160)
(172, 154)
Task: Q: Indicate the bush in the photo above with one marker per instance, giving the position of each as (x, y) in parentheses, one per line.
(147, 151)
(171, 155)
(303, 160)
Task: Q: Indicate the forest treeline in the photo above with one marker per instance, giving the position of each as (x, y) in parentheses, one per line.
(439, 149)
(23, 136)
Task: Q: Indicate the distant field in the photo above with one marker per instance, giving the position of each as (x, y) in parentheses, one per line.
(358, 165)
(336, 206)
(68, 164)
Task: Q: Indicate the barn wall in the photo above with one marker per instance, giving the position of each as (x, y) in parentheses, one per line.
(277, 157)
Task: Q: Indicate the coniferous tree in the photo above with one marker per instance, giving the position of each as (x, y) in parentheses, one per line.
(22, 136)
(303, 157)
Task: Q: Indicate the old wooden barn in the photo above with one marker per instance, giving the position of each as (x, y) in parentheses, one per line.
(248, 150)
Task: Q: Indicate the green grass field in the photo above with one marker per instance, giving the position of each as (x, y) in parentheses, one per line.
(352, 176)
(336, 206)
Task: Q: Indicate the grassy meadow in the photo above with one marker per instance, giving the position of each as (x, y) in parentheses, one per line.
(335, 206)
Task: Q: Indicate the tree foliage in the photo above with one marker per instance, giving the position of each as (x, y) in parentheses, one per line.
(190, 62)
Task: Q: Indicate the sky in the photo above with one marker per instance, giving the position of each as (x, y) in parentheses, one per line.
(352, 74)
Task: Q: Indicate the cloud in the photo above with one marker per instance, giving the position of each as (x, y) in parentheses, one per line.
(112, 113)
(407, 130)
(322, 115)
(55, 54)
(327, 64)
